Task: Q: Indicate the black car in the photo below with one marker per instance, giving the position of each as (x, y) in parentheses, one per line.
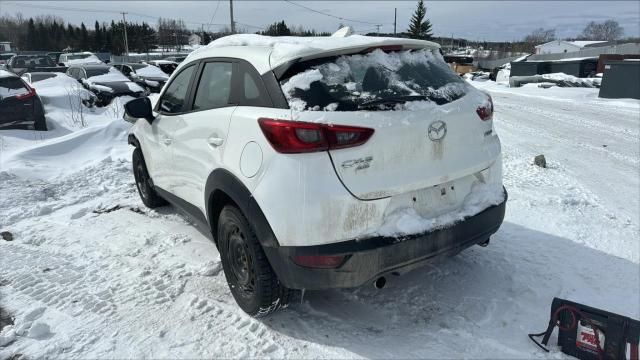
(148, 76)
(177, 59)
(20, 64)
(20, 106)
(168, 67)
(105, 81)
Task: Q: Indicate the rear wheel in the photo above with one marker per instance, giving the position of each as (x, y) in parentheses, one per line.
(144, 184)
(252, 282)
(40, 125)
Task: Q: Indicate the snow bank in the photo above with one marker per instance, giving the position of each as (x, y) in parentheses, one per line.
(71, 152)
(60, 89)
(407, 220)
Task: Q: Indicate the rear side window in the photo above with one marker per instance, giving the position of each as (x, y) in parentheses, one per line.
(11, 86)
(374, 81)
(214, 87)
(174, 99)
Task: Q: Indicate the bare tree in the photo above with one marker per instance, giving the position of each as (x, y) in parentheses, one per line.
(540, 36)
(609, 30)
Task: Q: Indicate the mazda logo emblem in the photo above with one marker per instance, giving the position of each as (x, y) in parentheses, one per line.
(437, 130)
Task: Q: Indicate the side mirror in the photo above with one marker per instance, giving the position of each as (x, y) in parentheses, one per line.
(140, 108)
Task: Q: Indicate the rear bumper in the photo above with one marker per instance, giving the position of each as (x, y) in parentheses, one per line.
(371, 258)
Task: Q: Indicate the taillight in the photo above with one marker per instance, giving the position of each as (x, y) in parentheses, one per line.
(292, 137)
(31, 93)
(486, 110)
(320, 261)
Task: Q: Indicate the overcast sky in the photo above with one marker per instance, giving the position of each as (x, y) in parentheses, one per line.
(474, 20)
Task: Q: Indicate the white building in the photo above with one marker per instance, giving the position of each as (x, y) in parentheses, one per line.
(5, 46)
(194, 39)
(561, 46)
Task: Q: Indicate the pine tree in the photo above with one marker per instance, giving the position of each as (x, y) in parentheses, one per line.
(97, 37)
(419, 26)
(84, 37)
(31, 35)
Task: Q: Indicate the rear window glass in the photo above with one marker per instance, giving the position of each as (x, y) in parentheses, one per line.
(91, 72)
(40, 77)
(12, 87)
(31, 61)
(374, 81)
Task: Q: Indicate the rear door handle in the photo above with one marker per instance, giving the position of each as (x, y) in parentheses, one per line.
(167, 141)
(215, 141)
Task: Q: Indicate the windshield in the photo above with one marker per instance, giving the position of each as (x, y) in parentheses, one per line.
(6, 56)
(374, 81)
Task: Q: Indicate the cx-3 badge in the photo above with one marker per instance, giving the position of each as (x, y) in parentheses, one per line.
(437, 130)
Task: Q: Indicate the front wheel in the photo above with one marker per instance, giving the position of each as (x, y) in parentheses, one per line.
(252, 282)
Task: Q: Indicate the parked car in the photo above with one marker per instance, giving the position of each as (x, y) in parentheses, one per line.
(20, 106)
(55, 56)
(177, 59)
(105, 81)
(5, 57)
(86, 58)
(322, 165)
(168, 67)
(20, 64)
(148, 76)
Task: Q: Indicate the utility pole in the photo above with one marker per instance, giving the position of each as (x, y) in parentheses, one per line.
(233, 24)
(395, 16)
(378, 29)
(126, 42)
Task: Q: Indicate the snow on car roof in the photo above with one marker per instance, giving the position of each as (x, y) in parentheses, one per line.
(282, 49)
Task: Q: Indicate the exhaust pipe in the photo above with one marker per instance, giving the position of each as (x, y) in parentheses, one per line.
(380, 282)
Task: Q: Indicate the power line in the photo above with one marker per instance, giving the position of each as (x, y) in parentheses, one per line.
(213, 15)
(75, 9)
(335, 16)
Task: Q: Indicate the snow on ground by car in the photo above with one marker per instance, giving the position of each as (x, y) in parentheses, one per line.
(91, 273)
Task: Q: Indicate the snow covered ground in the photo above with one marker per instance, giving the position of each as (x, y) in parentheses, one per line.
(91, 273)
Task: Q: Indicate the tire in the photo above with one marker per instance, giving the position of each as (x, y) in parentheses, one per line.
(144, 184)
(40, 125)
(252, 282)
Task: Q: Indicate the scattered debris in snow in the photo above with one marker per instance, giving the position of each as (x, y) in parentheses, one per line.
(6, 235)
(540, 161)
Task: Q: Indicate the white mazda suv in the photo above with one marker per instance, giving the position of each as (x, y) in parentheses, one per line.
(326, 162)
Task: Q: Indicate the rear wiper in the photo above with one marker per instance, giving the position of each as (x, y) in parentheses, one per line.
(391, 101)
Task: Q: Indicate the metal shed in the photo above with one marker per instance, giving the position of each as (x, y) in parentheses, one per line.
(578, 68)
(620, 80)
(527, 68)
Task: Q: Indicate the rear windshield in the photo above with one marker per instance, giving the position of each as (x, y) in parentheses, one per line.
(374, 81)
(11, 86)
(31, 61)
(40, 77)
(91, 72)
(77, 56)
